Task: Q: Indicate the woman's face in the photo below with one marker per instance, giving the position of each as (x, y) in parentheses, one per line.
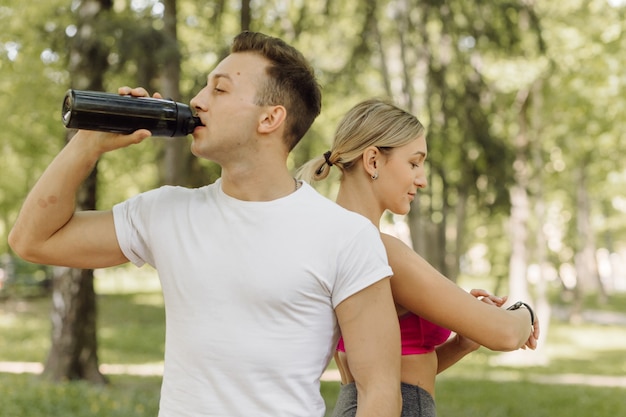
(400, 174)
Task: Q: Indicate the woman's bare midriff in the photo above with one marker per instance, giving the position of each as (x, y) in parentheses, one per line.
(419, 370)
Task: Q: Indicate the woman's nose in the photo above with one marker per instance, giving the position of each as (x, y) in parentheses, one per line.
(421, 181)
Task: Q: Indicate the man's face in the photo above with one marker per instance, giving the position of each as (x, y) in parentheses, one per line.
(227, 107)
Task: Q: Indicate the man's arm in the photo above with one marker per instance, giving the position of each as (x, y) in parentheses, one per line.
(47, 229)
(371, 333)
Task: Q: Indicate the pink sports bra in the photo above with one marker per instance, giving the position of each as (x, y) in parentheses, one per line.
(418, 335)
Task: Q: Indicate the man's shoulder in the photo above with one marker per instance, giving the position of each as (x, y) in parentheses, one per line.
(180, 191)
(327, 207)
(167, 195)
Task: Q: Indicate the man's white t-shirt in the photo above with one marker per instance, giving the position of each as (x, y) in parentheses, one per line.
(250, 290)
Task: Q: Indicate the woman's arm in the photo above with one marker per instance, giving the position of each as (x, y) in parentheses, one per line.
(453, 351)
(457, 347)
(420, 288)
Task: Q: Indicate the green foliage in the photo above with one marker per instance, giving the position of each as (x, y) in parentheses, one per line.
(31, 87)
(458, 65)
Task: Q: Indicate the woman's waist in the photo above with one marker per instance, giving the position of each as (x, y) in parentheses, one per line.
(419, 370)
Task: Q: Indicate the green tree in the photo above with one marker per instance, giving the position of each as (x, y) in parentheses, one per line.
(31, 129)
(583, 136)
(521, 99)
(73, 352)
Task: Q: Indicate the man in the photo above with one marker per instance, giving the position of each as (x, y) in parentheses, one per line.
(259, 272)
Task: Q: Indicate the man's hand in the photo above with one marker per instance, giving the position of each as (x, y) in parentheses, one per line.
(136, 92)
(94, 144)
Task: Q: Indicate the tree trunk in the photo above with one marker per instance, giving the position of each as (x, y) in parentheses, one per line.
(543, 309)
(73, 352)
(174, 164)
(459, 238)
(520, 214)
(246, 16)
(587, 276)
(425, 234)
(518, 265)
(520, 207)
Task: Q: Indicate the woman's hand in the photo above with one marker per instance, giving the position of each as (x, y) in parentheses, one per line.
(487, 297)
(531, 343)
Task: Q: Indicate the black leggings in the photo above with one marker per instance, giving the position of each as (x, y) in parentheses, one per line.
(416, 402)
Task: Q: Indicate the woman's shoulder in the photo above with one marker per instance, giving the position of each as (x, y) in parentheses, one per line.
(392, 242)
(402, 258)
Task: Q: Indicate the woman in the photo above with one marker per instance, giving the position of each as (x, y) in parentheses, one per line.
(380, 150)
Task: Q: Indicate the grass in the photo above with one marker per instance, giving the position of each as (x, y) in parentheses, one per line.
(26, 395)
(125, 396)
(121, 319)
(131, 331)
(481, 398)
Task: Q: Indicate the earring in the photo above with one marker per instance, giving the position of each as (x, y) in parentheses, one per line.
(375, 176)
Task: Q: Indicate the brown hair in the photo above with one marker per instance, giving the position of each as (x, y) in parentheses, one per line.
(291, 82)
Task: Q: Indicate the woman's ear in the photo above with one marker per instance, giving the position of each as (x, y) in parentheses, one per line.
(371, 160)
(272, 119)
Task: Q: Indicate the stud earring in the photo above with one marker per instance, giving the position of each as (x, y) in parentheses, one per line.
(375, 176)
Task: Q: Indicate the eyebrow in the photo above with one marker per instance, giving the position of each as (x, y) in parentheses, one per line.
(218, 76)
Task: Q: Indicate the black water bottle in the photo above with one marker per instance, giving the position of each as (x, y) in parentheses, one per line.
(108, 112)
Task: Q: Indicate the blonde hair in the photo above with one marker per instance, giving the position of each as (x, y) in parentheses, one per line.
(373, 122)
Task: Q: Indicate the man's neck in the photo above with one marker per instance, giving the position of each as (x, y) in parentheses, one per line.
(259, 186)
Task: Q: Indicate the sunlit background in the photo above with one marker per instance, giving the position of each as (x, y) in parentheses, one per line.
(523, 102)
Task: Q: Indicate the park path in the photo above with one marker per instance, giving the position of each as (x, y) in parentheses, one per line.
(156, 369)
(147, 369)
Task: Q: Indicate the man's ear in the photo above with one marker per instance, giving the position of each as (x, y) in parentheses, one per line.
(272, 119)
(371, 160)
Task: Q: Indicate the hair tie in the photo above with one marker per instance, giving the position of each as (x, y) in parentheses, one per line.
(327, 158)
(327, 162)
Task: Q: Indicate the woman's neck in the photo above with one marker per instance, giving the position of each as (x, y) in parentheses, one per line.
(359, 199)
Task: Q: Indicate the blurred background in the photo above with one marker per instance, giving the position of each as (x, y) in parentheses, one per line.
(524, 105)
